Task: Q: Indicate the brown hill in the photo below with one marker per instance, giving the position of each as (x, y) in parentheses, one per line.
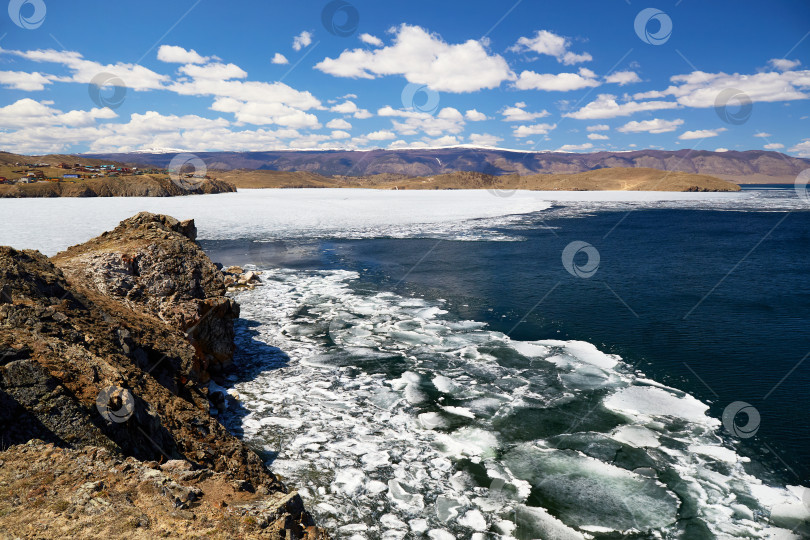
(750, 166)
(619, 179)
(124, 186)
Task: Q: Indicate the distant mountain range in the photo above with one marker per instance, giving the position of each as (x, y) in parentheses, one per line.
(751, 166)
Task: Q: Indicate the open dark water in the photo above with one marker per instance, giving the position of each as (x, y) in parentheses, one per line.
(712, 302)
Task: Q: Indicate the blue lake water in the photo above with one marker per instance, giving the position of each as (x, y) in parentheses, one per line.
(714, 302)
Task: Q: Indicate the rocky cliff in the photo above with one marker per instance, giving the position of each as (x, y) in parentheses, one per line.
(104, 353)
(127, 186)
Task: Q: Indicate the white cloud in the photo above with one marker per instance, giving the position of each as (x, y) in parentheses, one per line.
(773, 146)
(518, 113)
(474, 116)
(134, 76)
(784, 65)
(700, 134)
(371, 40)
(350, 107)
(548, 43)
(536, 129)
(656, 125)
(262, 113)
(597, 137)
(574, 147)
(762, 134)
(802, 149)
(424, 58)
(560, 82)
(484, 139)
(215, 72)
(28, 113)
(338, 123)
(340, 134)
(448, 120)
(279, 59)
(598, 127)
(21, 80)
(302, 40)
(623, 77)
(700, 90)
(178, 55)
(383, 135)
(721, 150)
(606, 106)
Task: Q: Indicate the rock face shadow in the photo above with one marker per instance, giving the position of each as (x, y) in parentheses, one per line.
(253, 357)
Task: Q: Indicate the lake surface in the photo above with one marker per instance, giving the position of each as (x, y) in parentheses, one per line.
(530, 365)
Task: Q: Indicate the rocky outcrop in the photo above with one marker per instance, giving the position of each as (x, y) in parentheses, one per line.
(129, 186)
(110, 344)
(52, 492)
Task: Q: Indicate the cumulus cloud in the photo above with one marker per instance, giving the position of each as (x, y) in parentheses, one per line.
(135, 77)
(656, 125)
(598, 127)
(762, 134)
(383, 135)
(623, 77)
(699, 89)
(338, 123)
(22, 80)
(536, 129)
(518, 113)
(178, 55)
(448, 120)
(302, 40)
(773, 146)
(424, 58)
(475, 116)
(597, 137)
(548, 43)
(606, 106)
(802, 149)
(700, 134)
(484, 139)
(350, 107)
(574, 147)
(371, 40)
(279, 59)
(784, 65)
(560, 82)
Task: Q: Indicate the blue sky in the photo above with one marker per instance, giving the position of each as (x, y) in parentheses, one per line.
(530, 75)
